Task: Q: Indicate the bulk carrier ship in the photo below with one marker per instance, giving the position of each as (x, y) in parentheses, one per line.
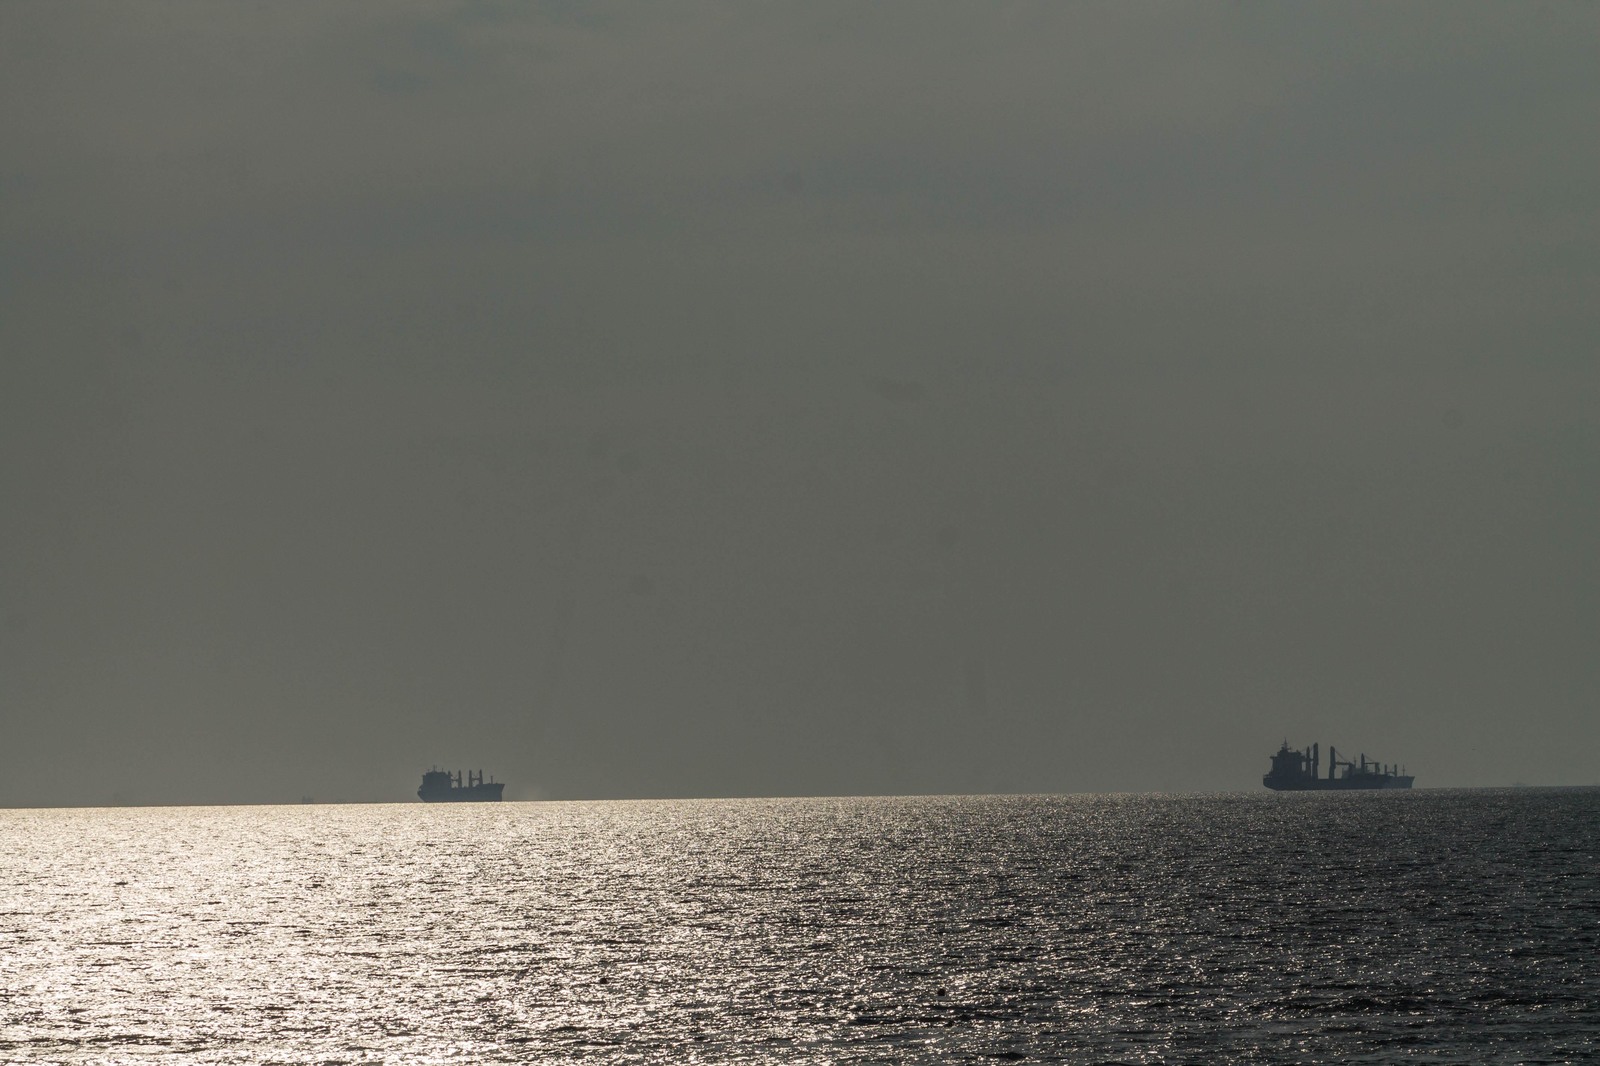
(1301, 771)
(441, 786)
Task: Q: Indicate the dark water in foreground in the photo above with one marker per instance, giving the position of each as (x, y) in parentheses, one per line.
(1380, 927)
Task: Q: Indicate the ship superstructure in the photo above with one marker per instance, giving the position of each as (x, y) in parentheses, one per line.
(1301, 771)
(441, 786)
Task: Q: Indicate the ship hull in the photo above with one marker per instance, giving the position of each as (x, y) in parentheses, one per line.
(488, 793)
(1359, 783)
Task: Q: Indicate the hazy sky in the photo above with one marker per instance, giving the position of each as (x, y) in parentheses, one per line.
(678, 400)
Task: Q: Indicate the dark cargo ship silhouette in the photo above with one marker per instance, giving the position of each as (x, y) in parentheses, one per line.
(441, 786)
(1301, 771)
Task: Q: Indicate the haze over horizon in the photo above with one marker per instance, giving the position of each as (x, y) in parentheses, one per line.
(794, 399)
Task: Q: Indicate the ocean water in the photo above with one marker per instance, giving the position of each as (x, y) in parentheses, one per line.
(1432, 926)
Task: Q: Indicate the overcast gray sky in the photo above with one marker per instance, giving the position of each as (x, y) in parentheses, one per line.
(678, 400)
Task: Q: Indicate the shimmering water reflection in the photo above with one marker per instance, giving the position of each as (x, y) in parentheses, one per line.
(1437, 926)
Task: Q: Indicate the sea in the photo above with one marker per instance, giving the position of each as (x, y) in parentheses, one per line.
(1429, 926)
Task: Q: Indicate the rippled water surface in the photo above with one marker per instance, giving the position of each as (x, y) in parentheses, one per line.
(1429, 926)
